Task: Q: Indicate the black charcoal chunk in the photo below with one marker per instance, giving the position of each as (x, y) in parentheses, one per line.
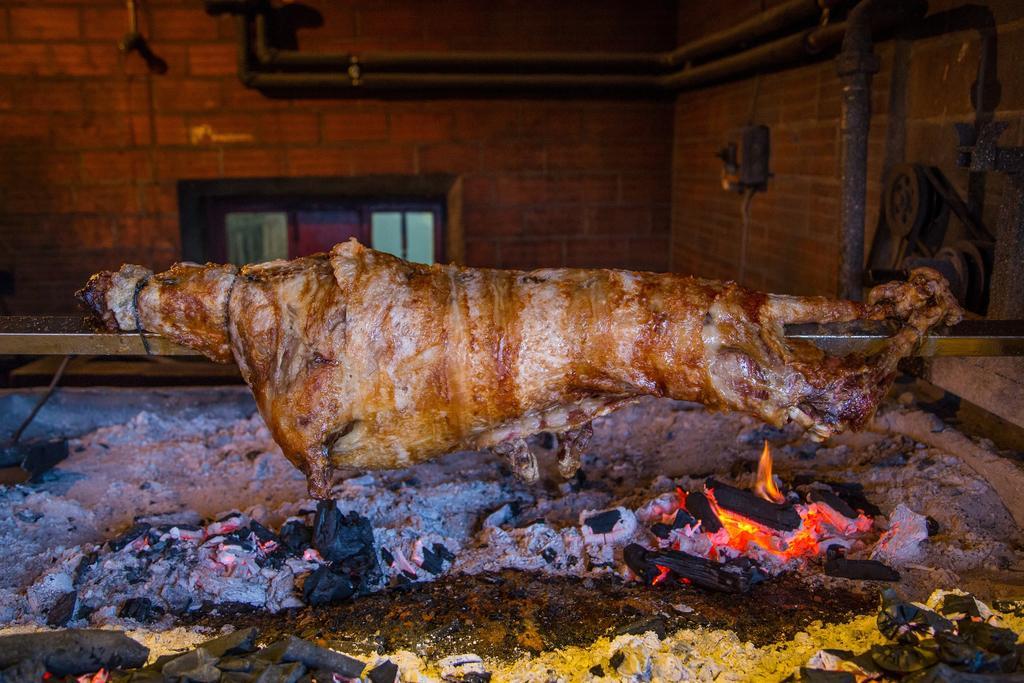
(198, 666)
(865, 570)
(291, 672)
(603, 522)
(296, 536)
(597, 670)
(387, 672)
(386, 555)
(347, 542)
(932, 525)
(907, 623)
(735, 576)
(683, 519)
(84, 565)
(325, 586)
(292, 649)
(616, 659)
(73, 651)
(700, 507)
(660, 530)
(432, 562)
(638, 628)
(783, 517)
(904, 658)
(63, 610)
(986, 636)
(135, 531)
(237, 642)
(25, 671)
(834, 502)
(443, 552)
(141, 610)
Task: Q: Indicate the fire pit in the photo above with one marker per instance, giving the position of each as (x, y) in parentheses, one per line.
(691, 544)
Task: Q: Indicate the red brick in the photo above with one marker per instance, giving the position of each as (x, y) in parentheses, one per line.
(159, 198)
(170, 129)
(212, 60)
(553, 220)
(492, 221)
(394, 23)
(187, 95)
(108, 23)
(449, 158)
(104, 167)
(421, 127)
(354, 126)
(176, 164)
(48, 95)
(513, 157)
(544, 122)
(239, 163)
(23, 129)
(290, 127)
(618, 220)
(82, 130)
(32, 165)
(319, 161)
(384, 158)
(532, 254)
(597, 253)
(649, 253)
(182, 24)
(43, 23)
(586, 188)
(121, 95)
(478, 189)
(85, 60)
(513, 189)
(113, 199)
(25, 60)
(481, 254)
(489, 122)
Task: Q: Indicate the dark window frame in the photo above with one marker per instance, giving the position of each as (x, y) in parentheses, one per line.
(196, 197)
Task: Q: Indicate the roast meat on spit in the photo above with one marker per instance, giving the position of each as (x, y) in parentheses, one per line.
(359, 359)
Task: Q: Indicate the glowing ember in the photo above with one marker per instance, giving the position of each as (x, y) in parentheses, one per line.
(765, 486)
(663, 573)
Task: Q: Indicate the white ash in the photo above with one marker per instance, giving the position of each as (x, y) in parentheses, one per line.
(171, 471)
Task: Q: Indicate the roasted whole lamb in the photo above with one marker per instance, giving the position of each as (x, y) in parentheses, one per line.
(360, 359)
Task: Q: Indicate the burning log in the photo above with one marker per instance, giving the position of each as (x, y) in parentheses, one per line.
(773, 515)
(729, 577)
(698, 505)
(72, 652)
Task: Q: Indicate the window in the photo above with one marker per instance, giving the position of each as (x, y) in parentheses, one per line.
(259, 220)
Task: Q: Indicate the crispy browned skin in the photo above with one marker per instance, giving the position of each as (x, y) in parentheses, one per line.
(360, 359)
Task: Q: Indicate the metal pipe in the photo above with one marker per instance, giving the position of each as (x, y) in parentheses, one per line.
(856, 64)
(766, 23)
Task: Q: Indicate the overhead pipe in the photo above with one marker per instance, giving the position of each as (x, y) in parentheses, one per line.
(356, 77)
(764, 24)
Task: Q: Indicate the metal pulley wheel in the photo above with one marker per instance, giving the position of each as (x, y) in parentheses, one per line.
(908, 196)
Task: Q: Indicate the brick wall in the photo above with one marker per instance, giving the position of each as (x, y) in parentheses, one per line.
(793, 230)
(92, 145)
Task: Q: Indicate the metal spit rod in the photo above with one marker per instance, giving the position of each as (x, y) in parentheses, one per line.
(61, 335)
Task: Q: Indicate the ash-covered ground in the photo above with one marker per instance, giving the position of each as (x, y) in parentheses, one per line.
(465, 513)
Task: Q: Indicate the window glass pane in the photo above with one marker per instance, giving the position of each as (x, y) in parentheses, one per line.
(255, 237)
(386, 232)
(419, 236)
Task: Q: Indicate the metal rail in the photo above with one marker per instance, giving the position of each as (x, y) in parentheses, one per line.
(60, 335)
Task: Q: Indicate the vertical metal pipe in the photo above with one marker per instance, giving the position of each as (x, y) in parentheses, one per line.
(856, 63)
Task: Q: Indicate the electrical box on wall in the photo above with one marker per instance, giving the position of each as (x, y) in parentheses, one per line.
(745, 165)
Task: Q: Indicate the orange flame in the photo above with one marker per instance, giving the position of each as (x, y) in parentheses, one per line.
(663, 573)
(765, 486)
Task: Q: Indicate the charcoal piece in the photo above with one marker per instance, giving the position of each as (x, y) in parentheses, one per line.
(386, 672)
(549, 555)
(25, 671)
(853, 494)
(325, 586)
(73, 651)
(347, 542)
(386, 555)
(237, 642)
(237, 664)
(1002, 641)
(903, 658)
(63, 610)
(443, 552)
(955, 606)
(660, 530)
(476, 677)
(262, 533)
(27, 462)
(597, 670)
(683, 519)
(834, 502)
(128, 536)
(638, 628)
(699, 506)
(296, 536)
(616, 659)
(836, 564)
(906, 622)
(141, 610)
(943, 673)
(603, 522)
(736, 576)
(198, 666)
(433, 563)
(292, 649)
(783, 517)
(291, 672)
